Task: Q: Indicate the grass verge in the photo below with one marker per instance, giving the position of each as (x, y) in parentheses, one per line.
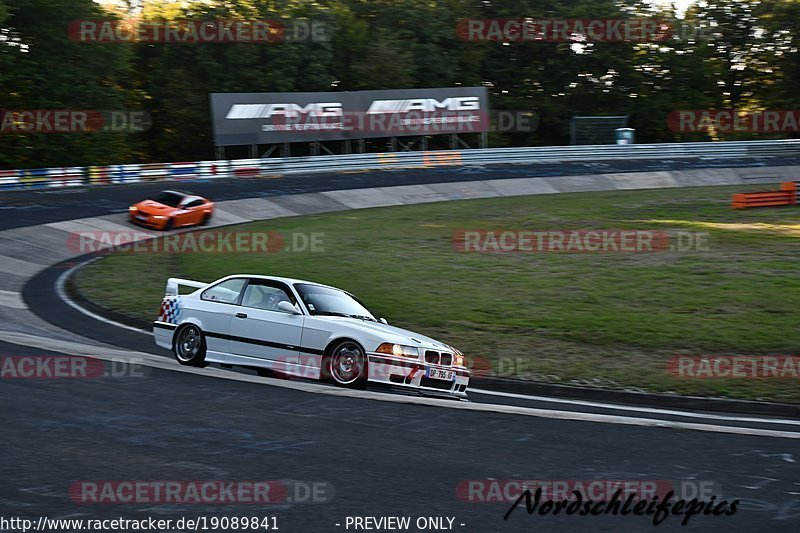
(598, 319)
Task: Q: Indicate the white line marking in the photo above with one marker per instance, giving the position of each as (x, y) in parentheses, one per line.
(18, 267)
(62, 293)
(60, 287)
(10, 235)
(654, 410)
(155, 361)
(684, 414)
(12, 299)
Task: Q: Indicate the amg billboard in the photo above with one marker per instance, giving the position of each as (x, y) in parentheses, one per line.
(267, 118)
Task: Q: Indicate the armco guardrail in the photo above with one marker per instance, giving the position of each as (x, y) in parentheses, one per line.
(96, 175)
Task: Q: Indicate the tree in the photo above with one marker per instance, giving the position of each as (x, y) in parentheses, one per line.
(781, 20)
(726, 53)
(180, 77)
(45, 70)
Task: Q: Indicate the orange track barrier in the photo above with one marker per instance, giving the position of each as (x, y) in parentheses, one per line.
(787, 195)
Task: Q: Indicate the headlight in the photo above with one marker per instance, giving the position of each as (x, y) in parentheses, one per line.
(398, 350)
(158, 217)
(459, 359)
(133, 208)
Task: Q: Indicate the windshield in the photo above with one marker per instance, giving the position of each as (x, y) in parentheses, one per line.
(331, 302)
(169, 198)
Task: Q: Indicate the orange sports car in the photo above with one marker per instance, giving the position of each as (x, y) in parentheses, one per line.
(172, 209)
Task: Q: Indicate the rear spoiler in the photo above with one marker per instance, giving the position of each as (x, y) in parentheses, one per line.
(174, 283)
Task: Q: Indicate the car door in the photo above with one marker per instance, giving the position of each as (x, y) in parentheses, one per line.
(215, 310)
(260, 330)
(194, 211)
(183, 214)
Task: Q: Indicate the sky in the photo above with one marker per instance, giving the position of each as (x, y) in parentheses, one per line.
(680, 4)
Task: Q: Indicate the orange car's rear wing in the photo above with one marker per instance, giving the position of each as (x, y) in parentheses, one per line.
(174, 284)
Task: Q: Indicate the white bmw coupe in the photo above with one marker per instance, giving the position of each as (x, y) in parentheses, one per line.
(299, 328)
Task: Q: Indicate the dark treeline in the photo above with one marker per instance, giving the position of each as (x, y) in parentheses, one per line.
(724, 54)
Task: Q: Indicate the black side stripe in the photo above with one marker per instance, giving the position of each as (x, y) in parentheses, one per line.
(302, 349)
(259, 342)
(224, 336)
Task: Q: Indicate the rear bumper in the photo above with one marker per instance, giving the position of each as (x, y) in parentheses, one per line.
(163, 333)
(412, 374)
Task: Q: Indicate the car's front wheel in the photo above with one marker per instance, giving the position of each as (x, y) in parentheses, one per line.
(346, 365)
(190, 346)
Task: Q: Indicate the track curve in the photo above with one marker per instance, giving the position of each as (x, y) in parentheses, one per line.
(389, 453)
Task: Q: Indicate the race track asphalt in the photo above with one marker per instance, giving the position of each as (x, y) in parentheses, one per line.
(40, 206)
(368, 457)
(374, 458)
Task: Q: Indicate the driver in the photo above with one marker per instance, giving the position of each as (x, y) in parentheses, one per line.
(274, 299)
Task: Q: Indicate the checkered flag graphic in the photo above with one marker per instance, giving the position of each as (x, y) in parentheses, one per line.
(170, 309)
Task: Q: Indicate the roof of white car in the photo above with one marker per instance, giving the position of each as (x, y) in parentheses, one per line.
(289, 281)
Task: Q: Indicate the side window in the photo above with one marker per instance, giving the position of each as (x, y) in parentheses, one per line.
(195, 203)
(265, 296)
(225, 292)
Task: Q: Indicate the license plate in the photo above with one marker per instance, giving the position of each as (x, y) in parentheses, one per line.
(438, 373)
(140, 217)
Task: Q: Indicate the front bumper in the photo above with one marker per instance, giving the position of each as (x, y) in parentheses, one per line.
(412, 374)
(148, 221)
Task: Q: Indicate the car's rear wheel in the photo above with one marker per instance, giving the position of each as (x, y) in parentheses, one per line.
(205, 220)
(190, 346)
(346, 365)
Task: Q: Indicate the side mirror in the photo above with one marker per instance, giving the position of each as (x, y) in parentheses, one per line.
(288, 307)
(383, 321)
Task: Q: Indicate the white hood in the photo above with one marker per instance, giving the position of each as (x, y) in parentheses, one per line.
(389, 333)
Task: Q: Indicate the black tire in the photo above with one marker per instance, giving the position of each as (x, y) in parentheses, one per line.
(346, 365)
(169, 224)
(189, 346)
(205, 220)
